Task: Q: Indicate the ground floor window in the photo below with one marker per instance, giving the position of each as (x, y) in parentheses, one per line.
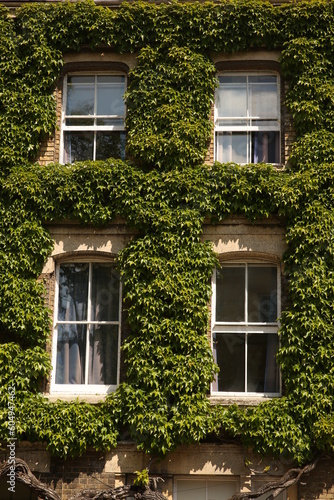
(205, 489)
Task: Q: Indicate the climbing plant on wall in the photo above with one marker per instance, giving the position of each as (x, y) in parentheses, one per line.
(165, 192)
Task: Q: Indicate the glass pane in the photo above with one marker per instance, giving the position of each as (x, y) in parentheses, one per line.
(79, 122)
(263, 96)
(265, 122)
(230, 294)
(265, 147)
(219, 490)
(110, 145)
(79, 146)
(105, 293)
(110, 91)
(73, 292)
(232, 123)
(191, 490)
(103, 354)
(232, 147)
(110, 122)
(262, 294)
(230, 355)
(262, 369)
(71, 352)
(232, 96)
(80, 95)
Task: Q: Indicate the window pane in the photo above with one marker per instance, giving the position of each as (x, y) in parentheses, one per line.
(110, 145)
(262, 294)
(79, 146)
(218, 490)
(232, 96)
(73, 292)
(262, 369)
(230, 294)
(191, 490)
(108, 122)
(80, 95)
(265, 147)
(110, 91)
(232, 147)
(263, 96)
(79, 122)
(230, 352)
(71, 352)
(103, 354)
(105, 293)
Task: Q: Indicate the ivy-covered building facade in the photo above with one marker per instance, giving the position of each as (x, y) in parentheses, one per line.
(166, 250)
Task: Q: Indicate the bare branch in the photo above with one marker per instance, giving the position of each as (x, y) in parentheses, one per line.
(24, 475)
(290, 478)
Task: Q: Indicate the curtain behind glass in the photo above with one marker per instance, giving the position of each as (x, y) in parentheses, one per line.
(103, 353)
(72, 306)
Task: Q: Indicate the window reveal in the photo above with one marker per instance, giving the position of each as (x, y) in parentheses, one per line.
(87, 325)
(247, 122)
(94, 113)
(245, 339)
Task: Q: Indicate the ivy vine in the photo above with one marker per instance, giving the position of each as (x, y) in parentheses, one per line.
(165, 192)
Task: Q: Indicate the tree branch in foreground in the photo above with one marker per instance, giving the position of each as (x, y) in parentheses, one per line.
(274, 488)
(24, 475)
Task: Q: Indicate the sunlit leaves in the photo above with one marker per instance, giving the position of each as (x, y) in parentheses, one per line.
(164, 194)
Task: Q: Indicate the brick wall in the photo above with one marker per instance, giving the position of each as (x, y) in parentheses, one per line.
(69, 477)
(50, 147)
(319, 484)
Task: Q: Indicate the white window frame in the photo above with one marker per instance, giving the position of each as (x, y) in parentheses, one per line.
(222, 479)
(85, 388)
(249, 128)
(244, 327)
(88, 128)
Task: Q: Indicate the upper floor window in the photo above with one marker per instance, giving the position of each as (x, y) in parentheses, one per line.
(93, 117)
(247, 118)
(87, 328)
(244, 328)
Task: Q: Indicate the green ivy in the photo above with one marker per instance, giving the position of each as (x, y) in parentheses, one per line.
(165, 194)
